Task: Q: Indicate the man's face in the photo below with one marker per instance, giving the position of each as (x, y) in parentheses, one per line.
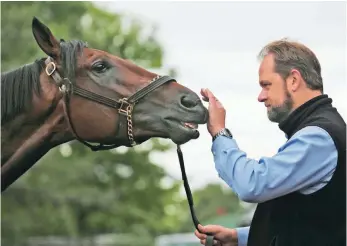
(274, 93)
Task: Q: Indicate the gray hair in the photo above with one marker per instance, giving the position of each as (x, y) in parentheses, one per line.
(293, 55)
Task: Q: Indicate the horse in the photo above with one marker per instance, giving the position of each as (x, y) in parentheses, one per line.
(85, 94)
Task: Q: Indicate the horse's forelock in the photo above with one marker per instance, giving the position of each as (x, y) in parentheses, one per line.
(70, 51)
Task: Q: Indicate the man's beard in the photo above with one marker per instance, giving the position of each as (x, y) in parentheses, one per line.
(281, 112)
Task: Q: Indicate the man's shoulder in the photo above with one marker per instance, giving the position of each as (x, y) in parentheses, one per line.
(328, 119)
(312, 131)
(332, 128)
(310, 137)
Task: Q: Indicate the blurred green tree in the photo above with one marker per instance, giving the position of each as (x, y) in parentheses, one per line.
(74, 192)
(74, 20)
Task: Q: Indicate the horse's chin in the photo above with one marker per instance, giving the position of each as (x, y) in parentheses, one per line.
(178, 132)
(182, 139)
(181, 133)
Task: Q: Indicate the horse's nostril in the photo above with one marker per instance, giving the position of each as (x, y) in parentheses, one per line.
(189, 102)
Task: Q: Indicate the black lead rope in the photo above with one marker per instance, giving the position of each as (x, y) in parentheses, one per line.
(210, 238)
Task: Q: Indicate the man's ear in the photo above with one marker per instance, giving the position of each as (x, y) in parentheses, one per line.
(45, 39)
(294, 80)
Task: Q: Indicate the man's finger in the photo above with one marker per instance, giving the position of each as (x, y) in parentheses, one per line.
(204, 229)
(200, 235)
(206, 93)
(205, 99)
(208, 96)
(213, 102)
(203, 92)
(211, 97)
(209, 93)
(209, 229)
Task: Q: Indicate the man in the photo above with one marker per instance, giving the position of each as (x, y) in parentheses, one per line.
(300, 191)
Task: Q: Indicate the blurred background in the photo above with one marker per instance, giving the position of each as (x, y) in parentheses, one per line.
(134, 196)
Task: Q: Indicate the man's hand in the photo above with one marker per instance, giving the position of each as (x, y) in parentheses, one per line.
(216, 121)
(223, 236)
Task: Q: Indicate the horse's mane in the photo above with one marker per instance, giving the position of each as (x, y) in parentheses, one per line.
(18, 85)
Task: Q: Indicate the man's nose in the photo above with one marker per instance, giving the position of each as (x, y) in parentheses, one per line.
(262, 96)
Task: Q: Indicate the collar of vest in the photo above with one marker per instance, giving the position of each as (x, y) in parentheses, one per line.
(289, 125)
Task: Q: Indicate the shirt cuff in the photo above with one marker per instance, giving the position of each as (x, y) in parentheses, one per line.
(220, 147)
(242, 235)
(222, 142)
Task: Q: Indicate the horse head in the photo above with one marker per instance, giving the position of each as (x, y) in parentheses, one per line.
(169, 110)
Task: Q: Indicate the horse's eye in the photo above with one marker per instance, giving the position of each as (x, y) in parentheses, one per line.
(100, 67)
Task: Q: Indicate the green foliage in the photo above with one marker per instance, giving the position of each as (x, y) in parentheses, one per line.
(74, 20)
(72, 191)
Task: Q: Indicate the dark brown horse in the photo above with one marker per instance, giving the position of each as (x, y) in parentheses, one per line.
(90, 95)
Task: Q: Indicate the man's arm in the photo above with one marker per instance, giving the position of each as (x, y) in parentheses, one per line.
(305, 162)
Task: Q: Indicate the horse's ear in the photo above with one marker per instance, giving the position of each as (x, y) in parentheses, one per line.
(45, 39)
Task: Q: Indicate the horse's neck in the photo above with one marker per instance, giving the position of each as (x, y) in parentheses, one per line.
(26, 139)
(15, 133)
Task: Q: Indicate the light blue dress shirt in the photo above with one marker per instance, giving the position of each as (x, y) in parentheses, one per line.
(305, 163)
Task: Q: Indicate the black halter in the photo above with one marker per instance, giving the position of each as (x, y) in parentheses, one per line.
(125, 107)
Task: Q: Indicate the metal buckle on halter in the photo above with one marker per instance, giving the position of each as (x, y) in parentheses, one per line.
(124, 106)
(66, 86)
(49, 73)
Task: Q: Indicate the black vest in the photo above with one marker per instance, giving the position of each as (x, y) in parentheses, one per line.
(317, 219)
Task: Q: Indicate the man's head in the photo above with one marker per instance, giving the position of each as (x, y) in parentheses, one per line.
(289, 75)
